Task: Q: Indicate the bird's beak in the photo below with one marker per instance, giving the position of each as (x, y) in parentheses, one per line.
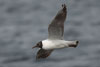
(34, 47)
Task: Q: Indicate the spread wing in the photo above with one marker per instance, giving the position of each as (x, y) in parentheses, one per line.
(56, 28)
(43, 53)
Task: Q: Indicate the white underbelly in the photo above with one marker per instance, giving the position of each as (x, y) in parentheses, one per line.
(48, 47)
(55, 44)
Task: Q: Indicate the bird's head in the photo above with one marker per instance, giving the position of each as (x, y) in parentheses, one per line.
(38, 45)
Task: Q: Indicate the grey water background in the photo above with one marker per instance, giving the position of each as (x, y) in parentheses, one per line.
(23, 23)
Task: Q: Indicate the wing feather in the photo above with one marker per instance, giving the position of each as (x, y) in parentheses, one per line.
(43, 53)
(56, 28)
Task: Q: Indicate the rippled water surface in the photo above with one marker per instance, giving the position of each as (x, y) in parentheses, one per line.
(24, 22)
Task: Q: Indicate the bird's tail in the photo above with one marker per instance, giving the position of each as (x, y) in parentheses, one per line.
(73, 44)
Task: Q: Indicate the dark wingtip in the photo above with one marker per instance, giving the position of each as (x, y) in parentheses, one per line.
(64, 7)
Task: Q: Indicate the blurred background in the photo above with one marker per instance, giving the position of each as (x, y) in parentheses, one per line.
(23, 23)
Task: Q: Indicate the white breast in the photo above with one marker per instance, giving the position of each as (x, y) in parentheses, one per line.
(54, 44)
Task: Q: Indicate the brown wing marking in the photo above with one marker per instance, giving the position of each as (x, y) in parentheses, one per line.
(43, 53)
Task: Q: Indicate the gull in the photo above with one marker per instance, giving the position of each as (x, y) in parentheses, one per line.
(55, 38)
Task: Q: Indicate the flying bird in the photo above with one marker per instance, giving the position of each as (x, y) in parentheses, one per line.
(55, 36)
